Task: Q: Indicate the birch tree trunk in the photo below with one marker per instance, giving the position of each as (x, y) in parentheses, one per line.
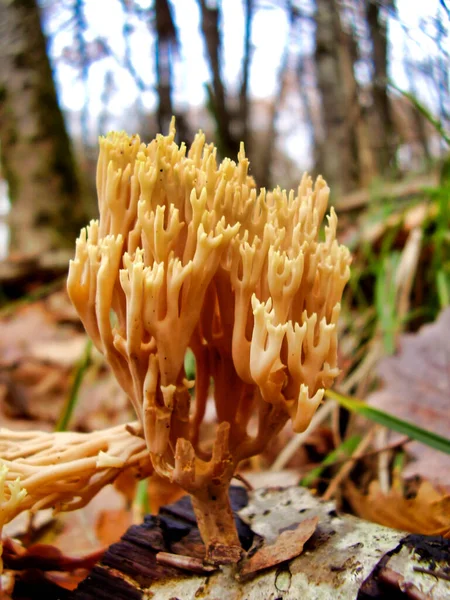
(36, 156)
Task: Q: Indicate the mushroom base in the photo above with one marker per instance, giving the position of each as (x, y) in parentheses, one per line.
(216, 524)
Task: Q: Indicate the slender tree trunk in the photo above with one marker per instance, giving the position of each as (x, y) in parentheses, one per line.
(246, 62)
(417, 120)
(335, 149)
(227, 143)
(364, 167)
(47, 210)
(386, 146)
(166, 40)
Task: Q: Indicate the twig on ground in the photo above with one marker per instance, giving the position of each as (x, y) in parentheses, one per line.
(383, 460)
(294, 444)
(346, 469)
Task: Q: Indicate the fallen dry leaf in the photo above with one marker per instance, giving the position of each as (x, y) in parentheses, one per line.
(45, 557)
(111, 525)
(45, 562)
(76, 532)
(289, 544)
(60, 352)
(26, 326)
(417, 389)
(36, 371)
(37, 355)
(428, 512)
(162, 492)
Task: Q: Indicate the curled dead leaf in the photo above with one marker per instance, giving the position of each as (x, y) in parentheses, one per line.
(289, 544)
(428, 512)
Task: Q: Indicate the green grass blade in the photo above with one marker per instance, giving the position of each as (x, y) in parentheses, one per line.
(344, 450)
(141, 499)
(382, 418)
(443, 288)
(436, 123)
(72, 399)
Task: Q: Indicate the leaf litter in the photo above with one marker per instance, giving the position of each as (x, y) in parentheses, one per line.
(417, 389)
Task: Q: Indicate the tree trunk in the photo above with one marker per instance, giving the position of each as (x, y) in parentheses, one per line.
(358, 131)
(227, 143)
(47, 209)
(246, 62)
(335, 148)
(385, 129)
(166, 40)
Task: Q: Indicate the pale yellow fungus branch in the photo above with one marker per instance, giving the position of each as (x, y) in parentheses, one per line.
(12, 494)
(64, 470)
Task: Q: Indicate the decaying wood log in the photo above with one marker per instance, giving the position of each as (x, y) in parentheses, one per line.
(314, 552)
(345, 558)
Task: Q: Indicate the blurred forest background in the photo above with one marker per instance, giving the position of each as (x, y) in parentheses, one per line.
(356, 90)
(338, 87)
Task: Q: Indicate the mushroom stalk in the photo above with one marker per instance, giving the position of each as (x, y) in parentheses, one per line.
(216, 523)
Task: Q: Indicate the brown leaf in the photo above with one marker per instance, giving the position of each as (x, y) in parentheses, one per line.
(111, 525)
(65, 353)
(45, 558)
(162, 492)
(417, 389)
(77, 534)
(427, 513)
(288, 545)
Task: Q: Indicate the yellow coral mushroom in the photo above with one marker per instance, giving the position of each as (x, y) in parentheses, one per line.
(189, 254)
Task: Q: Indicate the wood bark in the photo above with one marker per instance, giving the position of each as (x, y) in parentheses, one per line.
(36, 156)
(385, 130)
(335, 156)
(296, 547)
(344, 152)
(227, 142)
(345, 558)
(165, 46)
(246, 62)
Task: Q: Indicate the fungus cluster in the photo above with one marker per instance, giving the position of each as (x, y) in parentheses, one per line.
(189, 254)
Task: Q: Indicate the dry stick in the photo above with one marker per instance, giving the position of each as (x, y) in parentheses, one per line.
(335, 426)
(395, 580)
(345, 471)
(392, 446)
(246, 483)
(406, 271)
(188, 563)
(294, 444)
(437, 574)
(383, 460)
(365, 368)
